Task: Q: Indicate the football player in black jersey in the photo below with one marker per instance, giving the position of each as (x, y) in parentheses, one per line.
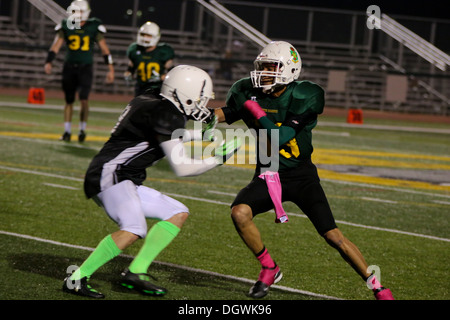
(148, 130)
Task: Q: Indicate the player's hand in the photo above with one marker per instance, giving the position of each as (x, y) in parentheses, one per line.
(226, 150)
(208, 131)
(156, 77)
(110, 77)
(255, 109)
(48, 68)
(128, 76)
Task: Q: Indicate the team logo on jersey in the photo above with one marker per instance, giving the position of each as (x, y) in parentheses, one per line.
(294, 55)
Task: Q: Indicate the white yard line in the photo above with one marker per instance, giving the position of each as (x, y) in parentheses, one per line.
(378, 200)
(59, 186)
(322, 123)
(172, 265)
(228, 203)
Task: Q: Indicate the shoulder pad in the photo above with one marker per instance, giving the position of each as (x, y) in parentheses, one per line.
(306, 89)
(165, 47)
(239, 93)
(101, 28)
(95, 20)
(244, 83)
(312, 94)
(131, 49)
(163, 44)
(167, 118)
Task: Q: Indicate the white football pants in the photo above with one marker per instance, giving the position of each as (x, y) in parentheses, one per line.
(129, 205)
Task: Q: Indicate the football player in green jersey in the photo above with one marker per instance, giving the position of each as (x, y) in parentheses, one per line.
(80, 38)
(272, 100)
(150, 59)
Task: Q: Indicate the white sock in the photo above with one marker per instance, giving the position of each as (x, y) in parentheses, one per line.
(83, 125)
(67, 127)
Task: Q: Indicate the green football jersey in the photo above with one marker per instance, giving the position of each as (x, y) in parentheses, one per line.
(302, 101)
(149, 64)
(81, 42)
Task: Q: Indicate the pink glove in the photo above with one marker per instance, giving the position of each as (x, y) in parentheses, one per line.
(254, 109)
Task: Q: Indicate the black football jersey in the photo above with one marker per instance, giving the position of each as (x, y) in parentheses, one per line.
(134, 143)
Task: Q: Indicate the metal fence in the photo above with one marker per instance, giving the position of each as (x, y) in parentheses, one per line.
(335, 45)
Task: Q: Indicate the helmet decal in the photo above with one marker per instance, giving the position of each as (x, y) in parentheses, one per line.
(294, 55)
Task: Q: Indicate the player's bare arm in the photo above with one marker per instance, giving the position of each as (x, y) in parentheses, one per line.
(107, 53)
(54, 49)
(167, 66)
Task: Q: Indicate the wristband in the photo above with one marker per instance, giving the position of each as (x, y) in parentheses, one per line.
(108, 59)
(50, 56)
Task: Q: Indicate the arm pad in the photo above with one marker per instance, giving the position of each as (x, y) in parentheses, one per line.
(182, 165)
(255, 109)
(50, 56)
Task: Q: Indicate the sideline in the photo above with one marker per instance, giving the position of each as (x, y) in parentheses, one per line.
(322, 123)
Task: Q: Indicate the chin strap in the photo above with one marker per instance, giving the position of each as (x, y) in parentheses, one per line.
(274, 89)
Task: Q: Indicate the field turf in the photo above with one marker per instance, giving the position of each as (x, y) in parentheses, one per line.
(388, 183)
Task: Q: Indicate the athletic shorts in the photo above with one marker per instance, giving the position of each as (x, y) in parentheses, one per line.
(129, 205)
(301, 186)
(76, 77)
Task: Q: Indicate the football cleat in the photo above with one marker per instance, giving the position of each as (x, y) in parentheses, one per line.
(383, 293)
(81, 288)
(65, 137)
(140, 282)
(81, 136)
(267, 277)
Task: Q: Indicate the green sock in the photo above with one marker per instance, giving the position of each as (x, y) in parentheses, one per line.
(159, 237)
(105, 251)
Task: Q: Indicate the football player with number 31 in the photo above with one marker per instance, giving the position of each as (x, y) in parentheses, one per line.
(80, 33)
(272, 100)
(149, 129)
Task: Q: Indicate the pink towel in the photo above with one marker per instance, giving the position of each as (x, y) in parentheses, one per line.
(274, 186)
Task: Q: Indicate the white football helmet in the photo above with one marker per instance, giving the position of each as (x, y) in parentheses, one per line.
(284, 60)
(148, 35)
(189, 88)
(80, 8)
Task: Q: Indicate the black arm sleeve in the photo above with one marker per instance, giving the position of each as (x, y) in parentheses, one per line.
(299, 121)
(231, 115)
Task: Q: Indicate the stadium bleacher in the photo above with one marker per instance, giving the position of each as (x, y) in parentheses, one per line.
(25, 43)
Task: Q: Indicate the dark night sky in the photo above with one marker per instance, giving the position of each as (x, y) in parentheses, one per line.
(429, 9)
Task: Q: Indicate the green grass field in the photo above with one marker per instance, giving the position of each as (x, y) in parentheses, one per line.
(389, 190)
